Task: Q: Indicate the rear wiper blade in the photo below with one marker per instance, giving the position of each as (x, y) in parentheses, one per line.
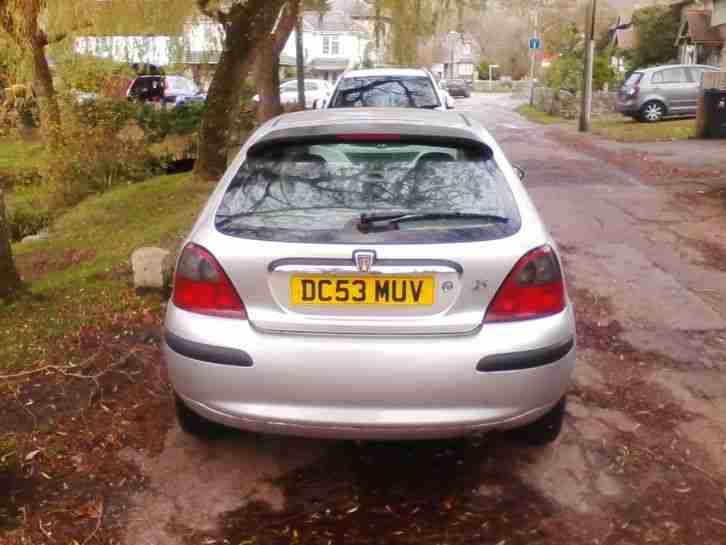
(367, 221)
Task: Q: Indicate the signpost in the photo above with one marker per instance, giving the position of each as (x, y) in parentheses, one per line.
(534, 44)
(586, 108)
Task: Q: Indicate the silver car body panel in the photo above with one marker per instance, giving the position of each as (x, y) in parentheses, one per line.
(362, 372)
(679, 98)
(369, 386)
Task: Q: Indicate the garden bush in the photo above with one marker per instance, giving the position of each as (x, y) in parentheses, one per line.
(26, 218)
(98, 145)
(106, 142)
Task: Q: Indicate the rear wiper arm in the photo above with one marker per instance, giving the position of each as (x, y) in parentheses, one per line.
(392, 220)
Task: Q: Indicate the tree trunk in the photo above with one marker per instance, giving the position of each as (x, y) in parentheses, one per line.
(20, 22)
(267, 64)
(245, 25)
(9, 279)
(43, 87)
(267, 81)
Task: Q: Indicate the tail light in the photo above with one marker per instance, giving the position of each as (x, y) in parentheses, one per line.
(534, 289)
(201, 286)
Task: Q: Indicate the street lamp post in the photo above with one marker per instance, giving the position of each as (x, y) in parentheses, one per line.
(491, 81)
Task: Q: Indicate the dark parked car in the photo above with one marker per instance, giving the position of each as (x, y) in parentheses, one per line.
(172, 90)
(459, 88)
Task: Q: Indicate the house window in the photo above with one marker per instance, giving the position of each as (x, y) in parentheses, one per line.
(326, 45)
(335, 45)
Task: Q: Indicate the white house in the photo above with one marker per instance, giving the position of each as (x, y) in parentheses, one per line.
(332, 43)
(156, 50)
(456, 56)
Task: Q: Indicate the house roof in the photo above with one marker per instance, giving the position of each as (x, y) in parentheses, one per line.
(696, 27)
(332, 21)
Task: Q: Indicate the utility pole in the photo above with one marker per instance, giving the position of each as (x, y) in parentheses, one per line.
(300, 61)
(586, 109)
(534, 55)
(452, 36)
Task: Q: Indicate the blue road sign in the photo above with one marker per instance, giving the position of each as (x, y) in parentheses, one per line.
(535, 43)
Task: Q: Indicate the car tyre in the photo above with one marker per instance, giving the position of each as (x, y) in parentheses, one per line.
(652, 111)
(545, 430)
(194, 424)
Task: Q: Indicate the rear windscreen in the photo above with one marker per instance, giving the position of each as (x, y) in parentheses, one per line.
(385, 91)
(634, 79)
(320, 193)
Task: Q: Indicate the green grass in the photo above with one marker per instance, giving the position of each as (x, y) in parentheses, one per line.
(529, 113)
(19, 156)
(623, 129)
(81, 275)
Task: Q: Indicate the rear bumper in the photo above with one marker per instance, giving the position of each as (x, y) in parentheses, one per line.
(626, 106)
(372, 387)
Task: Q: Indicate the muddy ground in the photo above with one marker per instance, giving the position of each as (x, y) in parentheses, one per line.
(642, 458)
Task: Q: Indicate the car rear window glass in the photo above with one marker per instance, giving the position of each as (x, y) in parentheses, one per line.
(147, 88)
(385, 91)
(634, 78)
(318, 192)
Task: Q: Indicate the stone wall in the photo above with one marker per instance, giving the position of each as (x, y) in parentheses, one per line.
(567, 105)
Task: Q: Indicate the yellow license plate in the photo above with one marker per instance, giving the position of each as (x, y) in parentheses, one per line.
(362, 290)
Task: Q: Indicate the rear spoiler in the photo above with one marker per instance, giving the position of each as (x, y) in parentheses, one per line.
(331, 134)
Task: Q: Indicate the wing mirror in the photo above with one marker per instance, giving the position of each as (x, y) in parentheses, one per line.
(521, 174)
(449, 102)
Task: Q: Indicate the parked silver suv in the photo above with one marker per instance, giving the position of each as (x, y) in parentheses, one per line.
(650, 94)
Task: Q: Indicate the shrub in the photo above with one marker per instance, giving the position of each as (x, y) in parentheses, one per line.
(106, 142)
(24, 215)
(158, 123)
(26, 219)
(565, 72)
(99, 145)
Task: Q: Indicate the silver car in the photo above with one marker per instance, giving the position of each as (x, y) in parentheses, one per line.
(651, 94)
(389, 88)
(370, 274)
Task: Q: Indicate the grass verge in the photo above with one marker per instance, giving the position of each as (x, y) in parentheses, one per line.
(17, 156)
(81, 276)
(535, 116)
(622, 129)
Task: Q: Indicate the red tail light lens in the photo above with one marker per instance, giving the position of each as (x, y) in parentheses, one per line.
(201, 286)
(533, 289)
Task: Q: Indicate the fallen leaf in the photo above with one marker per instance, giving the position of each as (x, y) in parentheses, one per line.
(31, 455)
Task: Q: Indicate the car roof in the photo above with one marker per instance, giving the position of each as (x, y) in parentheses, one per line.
(662, 66)
(372, 72)
(408, 121)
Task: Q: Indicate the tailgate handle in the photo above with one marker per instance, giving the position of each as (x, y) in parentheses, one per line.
(381, 266)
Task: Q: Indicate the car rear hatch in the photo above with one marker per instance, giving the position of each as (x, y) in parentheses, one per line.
(630, 87)
(368, 233)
